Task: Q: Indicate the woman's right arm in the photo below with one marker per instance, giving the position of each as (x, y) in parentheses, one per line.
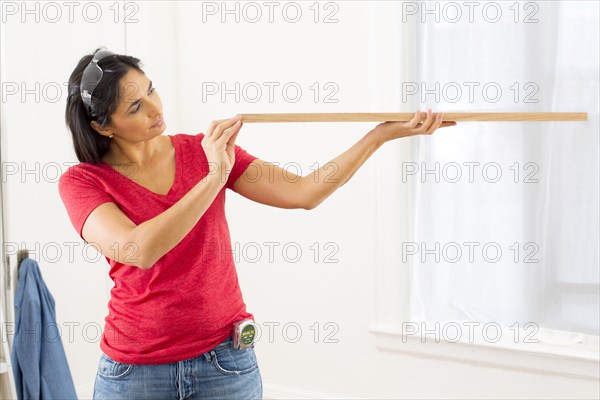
(119, 239)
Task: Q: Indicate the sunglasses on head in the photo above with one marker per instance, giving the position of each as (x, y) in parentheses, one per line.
(91, 76)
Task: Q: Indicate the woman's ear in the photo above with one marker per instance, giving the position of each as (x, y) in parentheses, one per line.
(96, 126)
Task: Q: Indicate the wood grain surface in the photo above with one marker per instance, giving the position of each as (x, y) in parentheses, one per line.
(448, 116)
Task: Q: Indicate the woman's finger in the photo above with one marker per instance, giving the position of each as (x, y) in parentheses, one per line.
(414, 121)
(427, 123)
(436, 123)
(229, 133)
(448, 123)
(420, 119)
(221, 127)
(213, 125)
(234, 133)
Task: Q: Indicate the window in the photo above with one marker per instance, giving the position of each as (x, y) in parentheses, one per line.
(526, 203)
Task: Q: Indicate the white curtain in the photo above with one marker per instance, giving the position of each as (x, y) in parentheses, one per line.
(544, 207)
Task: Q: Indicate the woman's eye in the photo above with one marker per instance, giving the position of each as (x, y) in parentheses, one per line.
(138, 106)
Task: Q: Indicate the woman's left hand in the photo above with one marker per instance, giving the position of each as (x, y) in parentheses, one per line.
(423, 123)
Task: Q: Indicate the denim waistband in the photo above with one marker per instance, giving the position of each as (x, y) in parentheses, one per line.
(224, 343)
(209, 354)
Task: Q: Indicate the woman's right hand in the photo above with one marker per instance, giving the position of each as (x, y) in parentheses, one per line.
(219, 144)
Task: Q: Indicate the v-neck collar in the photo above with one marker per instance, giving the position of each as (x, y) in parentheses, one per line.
(178, 162)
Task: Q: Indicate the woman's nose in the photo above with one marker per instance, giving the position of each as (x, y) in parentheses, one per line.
(155, 107)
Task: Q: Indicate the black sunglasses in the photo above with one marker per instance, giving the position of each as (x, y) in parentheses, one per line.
(91, 76)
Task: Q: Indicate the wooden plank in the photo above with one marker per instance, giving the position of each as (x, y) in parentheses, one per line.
(448, 116)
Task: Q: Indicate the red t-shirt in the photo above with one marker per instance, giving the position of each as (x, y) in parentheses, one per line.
(187, 302)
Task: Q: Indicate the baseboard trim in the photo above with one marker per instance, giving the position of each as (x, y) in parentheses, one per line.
(280, 392)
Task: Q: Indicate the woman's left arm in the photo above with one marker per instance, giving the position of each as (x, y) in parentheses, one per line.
(277, 187)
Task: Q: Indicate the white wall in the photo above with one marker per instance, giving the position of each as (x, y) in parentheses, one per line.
(180, 52)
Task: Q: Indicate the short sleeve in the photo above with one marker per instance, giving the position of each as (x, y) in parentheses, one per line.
(242, 160)
(80, 195)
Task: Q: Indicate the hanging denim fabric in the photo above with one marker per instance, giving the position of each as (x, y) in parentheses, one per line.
(39, 362)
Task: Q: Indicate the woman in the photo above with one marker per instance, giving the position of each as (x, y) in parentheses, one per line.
(153, 205)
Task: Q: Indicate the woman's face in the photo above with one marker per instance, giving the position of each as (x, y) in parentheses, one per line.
(138, 110)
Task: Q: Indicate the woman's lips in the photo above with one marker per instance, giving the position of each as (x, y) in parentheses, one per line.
(159, 123)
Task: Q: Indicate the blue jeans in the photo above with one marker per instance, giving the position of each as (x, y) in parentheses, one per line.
(221, 373)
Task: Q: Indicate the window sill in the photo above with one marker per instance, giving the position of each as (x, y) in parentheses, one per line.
(579, 360)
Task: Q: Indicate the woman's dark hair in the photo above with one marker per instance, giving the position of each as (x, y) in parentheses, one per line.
(90, 145)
